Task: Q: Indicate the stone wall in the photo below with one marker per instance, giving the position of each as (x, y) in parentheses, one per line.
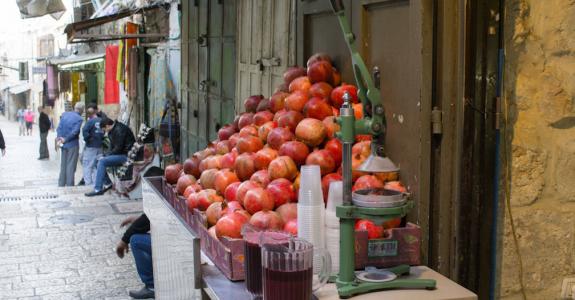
(540, 97)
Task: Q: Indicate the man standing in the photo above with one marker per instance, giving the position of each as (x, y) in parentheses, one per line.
(93, 136)
(121, 141)
(44, 124)
(2, 144)
(68, 139)
(29, 118)
(21, 122)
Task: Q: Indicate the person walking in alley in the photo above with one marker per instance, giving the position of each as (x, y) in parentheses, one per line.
(68, 133)
(93, 136)
(29, 119)
(121, 141)
(21, 123)
(2, 144)
(44, 123)
(138, 239)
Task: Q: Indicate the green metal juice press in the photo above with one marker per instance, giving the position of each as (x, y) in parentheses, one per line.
(374, 124)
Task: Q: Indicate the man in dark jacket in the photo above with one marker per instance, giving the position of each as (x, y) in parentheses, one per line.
(93, 136)
(121, 141)
(44, 124)
(138, 239)
(2, 144)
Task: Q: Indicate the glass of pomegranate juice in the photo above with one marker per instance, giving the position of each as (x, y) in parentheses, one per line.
(288, 270)
(253, 257)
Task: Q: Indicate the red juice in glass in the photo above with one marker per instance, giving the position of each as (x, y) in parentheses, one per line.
(288, 285)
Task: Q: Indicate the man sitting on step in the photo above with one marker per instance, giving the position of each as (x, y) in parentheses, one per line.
(121, 141)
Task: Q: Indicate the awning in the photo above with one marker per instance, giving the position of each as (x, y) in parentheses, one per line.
(76, 60)
(80, 32)
(20, 88)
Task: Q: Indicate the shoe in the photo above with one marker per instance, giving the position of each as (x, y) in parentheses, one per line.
(107, 188)
(144, 293)
(95, 193)
(43, 158)
(81, 183)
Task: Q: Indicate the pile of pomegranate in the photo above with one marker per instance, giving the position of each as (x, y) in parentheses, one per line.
(250, 174)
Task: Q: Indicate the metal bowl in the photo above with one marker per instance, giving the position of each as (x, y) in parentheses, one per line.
(378, 198)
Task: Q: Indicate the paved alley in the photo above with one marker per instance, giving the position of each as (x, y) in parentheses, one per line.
(54, 242)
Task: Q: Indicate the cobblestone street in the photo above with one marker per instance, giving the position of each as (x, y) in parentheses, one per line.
(54, 242)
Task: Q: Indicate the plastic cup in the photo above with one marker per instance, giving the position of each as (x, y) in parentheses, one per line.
(334, 200)
(311, 224)
(310, 181)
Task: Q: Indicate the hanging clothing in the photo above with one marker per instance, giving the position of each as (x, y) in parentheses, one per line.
(52, 84)
(133, 73)
(131, 28)
(111, 88)
(75, 87)
(120, 63)
(160, 85)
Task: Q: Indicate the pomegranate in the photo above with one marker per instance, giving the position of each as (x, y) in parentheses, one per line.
(297, 151)
(212, 162)
(321, 90)
(192, 201)
(288, 211)
(230, 225)
(193, 188)
(231, 191)
(323, 159)
(261, 177)
(318, 57)
(258, 199)
(362, 138)
(279, 114)
(296, 100)
(387, 176)
(290, 120)
(250, 144)
(283, 167)
(207, 197)
(232, 206)
(234, 139)
(243, 189)
(251, 103)
(268, 220)
(192, 166)
(183, 182)
(262, 117)
(278, 136)
(249, 130)
(228, 160)
(264, 105)
(245, 166)
(214, 212)
(277, 101)
(335, 148)
(395, 186)
(246, 119)
(300, 84)
(393, 223)
(326, 181)
(264, 157)
(208, 178)
(223, 147)
(310, 131)
(225, 132)
(331, 126)
(373, 231)
(292, 73)
(362, 149)
(206, 152)
(317, 108)
(366, 182)
(291, 227)
(172, 173)
(282, 191)
(223, 179)
(358, 111)
(265, 129)
(320, 71)
(336, 77)
(236, 123)
(338, 92)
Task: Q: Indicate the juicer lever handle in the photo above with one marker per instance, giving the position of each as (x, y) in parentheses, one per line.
(337, 5)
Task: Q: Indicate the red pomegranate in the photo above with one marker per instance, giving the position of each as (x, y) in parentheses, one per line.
(265, 129)
(225, 132)
(245, 166)
(193, 188)
(243, 189)
(223, 179)
(292, 73)
(323, 159)
(373, 231)
(282, 191)
(192, 201)
(249, 144)
(317, 108)
(290, 120)
(267, 220)
(277, 101)
(223, 147)
(264, 105)
(183, 182)
(231, 206)
(264, 157)
(296, 100)
(326, 181)
(331, 126)
(298, 151)
(230, 225)
(288, 211)
(211, 162)
(279, 114)
(228, 160)
(207, 197)
(234, 139)
(172, 173)
(393, 223)
(246, 119)
(321, 90)
(362, 149)
(192, 166)
(291, 227)
(338, 92)
(317, 57)
(367, 182)
(231, 191)
(251, 103)
(258, 199)
(283, 167)
(311, 131)
(335, 148)
(278, 136)
(261, 177)
(320, 71)
(260, 118)
(250, 130)
(300, 84)
(214, 212)
(336, 77)
(208, 178)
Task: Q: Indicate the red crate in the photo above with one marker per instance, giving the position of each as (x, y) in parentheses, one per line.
(401, 246)
(227, 254)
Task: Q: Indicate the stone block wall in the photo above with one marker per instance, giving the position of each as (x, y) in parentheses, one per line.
(540, 96)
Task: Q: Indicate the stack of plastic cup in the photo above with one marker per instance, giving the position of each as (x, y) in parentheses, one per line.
(310, 207)
(334, 199)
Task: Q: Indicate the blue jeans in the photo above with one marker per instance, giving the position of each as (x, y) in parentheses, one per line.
(89, 164)
(103, 163)
(141, 245)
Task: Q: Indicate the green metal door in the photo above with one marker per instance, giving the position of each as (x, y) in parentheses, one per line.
(91, 88)
(208, 70)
